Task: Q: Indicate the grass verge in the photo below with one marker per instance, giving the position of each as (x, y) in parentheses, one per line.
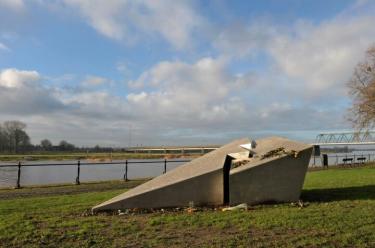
(95, 157)
(339, 212)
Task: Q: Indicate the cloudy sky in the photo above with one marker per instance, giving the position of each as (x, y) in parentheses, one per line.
(167, 72)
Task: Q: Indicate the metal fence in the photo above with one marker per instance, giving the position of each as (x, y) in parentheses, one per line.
(125, 163)
(324, 160)
(344, 159)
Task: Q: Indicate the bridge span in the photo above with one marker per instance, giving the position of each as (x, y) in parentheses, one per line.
(345, 138)
(322, 139)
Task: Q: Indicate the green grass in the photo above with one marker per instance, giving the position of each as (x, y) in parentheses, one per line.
(339, 212)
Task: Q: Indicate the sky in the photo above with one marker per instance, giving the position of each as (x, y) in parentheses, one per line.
(166, 72)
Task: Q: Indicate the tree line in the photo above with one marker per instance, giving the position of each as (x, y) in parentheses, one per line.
(14, 139)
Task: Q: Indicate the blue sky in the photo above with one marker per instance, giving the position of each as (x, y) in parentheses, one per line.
(179, 72)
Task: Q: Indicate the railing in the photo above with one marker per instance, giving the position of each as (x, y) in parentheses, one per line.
(325, 160)
(126, 164)
(343, 159)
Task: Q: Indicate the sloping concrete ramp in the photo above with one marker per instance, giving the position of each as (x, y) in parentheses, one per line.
(275, 173)
(200, 181)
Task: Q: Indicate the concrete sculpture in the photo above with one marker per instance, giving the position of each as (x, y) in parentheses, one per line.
(268, 170)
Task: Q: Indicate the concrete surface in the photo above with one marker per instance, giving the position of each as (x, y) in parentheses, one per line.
(200, 181)
(274, 179)
(210, 180)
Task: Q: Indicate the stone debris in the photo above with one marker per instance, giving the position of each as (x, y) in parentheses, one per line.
(279, 152)
(139, 211)
(191, 210)
(300, 204)
(242, 206)
(126, 211)
(238, 163)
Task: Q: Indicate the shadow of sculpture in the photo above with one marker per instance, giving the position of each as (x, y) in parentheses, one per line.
(366, 192)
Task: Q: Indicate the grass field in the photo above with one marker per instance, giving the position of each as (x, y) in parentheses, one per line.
(339, 211)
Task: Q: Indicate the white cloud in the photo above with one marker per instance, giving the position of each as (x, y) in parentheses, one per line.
(322, 58)
(14, 5)
(136, 98)
(305, 66)
(175, 21)
(311, 60)
(185, 90)
(180, 103)
(13, 78)
(23, 93)
(4, 47)
(204, 97)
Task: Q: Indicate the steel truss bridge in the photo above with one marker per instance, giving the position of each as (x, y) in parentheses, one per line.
(346, 138)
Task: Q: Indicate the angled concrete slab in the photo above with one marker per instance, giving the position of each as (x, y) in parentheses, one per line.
(275, 171)
(277, 178)
(200, 181)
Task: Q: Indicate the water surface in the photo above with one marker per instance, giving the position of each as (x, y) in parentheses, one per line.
(36, 175)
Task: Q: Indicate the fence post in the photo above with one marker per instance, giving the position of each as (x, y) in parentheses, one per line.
(165, 166)
(346, 158)
(126, 171)
(78, 172)
(19, 176)
(369, 158)
(363, 156)
(325, 160)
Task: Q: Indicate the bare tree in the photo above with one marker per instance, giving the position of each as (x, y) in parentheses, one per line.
(66, 146)
(362, 91)
(3, 139)
(15, 136)
(46, 144)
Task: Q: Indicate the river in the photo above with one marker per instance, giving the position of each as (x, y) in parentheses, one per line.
(38, 175)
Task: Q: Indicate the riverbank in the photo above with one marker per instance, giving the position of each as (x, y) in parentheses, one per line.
(94, 157)
(337, 211)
